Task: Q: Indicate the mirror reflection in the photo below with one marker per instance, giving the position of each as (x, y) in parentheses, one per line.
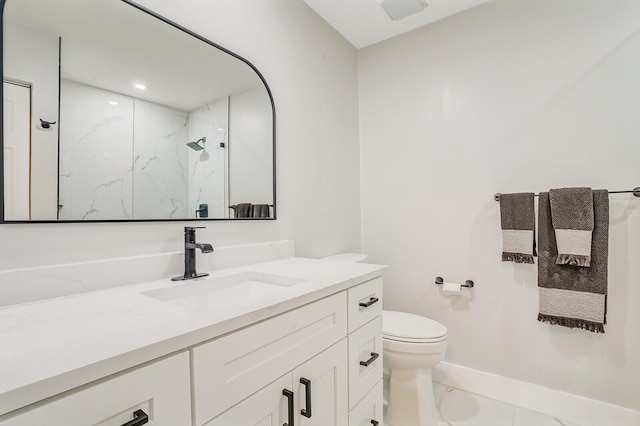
(111, 113)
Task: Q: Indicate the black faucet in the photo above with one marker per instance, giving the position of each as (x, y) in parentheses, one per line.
(190, 247)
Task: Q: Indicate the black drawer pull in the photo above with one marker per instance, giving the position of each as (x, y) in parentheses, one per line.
(307, 397)
(368, 362)
(289, 395)
(371, 301)
(139, 418)
(375, 422)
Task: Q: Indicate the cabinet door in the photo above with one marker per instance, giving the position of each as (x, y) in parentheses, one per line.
(267, 407)
(324, 379)
(161, 390)
(324, 376)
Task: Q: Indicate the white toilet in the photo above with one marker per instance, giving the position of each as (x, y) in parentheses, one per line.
(412, 346)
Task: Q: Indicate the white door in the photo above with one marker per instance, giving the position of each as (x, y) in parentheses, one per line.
(325, 377)
(17, 149)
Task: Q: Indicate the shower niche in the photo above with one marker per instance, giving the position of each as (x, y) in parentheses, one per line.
(147, 120)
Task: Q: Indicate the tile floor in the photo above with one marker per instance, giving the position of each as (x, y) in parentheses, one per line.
(460, 408)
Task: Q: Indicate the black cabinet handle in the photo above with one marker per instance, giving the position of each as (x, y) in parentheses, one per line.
(289, 395)
(371, 301)
(375, 422)
(139, 418)
(368, 362)
(307, 397)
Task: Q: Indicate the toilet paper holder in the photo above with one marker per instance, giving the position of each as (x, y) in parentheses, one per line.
(467, 283)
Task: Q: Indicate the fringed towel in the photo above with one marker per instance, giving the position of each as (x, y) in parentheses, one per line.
(517, 219)
(570, 296)
(572, 218)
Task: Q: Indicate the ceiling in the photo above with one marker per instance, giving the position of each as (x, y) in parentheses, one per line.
(364, 22)
(111, 45)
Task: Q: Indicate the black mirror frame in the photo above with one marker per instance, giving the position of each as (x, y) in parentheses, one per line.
(187, 31)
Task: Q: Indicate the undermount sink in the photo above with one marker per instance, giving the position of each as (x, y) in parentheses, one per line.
(228, 290)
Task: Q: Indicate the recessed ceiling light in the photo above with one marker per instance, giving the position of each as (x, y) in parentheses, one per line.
(113, 103)
(139, 86)
(400, 9)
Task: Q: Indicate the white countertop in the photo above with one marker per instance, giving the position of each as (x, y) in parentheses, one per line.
(56, 345)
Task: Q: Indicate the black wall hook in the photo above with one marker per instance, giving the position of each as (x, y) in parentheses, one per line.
(46, 124)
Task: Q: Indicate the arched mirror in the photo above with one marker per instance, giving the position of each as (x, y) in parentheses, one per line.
(113, 113)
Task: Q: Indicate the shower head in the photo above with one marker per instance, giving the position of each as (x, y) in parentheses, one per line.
(196, 145)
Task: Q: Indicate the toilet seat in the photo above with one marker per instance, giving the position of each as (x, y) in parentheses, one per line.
(410, 328)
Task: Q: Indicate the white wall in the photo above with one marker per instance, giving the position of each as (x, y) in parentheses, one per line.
(313, 75)
(511, 96)
(250, 153)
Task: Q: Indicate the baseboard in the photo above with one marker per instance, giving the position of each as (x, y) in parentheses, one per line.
(558, 404)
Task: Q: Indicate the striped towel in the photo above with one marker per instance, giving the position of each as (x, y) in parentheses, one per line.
(570, 296)
(517, 220)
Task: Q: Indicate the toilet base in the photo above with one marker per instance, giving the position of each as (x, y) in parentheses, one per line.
(411, 399)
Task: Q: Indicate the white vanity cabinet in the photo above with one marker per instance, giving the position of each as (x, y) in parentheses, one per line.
(314, 359)
(159, 390)
(285, 357)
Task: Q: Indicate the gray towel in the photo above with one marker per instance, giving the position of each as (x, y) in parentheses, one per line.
(261, 210)
(570, 296)
(517, 220)
(243, 210)
(572, 217)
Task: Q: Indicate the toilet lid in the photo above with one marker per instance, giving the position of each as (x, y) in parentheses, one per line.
(408, 327)
(347, 257)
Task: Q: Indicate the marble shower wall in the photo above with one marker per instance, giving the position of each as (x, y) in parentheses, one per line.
(160, 184)
(124, 158)
(96, 148)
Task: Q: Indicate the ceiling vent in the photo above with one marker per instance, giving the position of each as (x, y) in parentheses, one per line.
(400, 9)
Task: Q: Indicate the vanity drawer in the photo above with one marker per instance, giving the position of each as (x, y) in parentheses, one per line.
(365, 303)
(369, 410)
(161, 390)
(365, 360)
(231, 368)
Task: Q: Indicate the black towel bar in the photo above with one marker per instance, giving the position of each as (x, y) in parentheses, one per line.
(635, 191)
